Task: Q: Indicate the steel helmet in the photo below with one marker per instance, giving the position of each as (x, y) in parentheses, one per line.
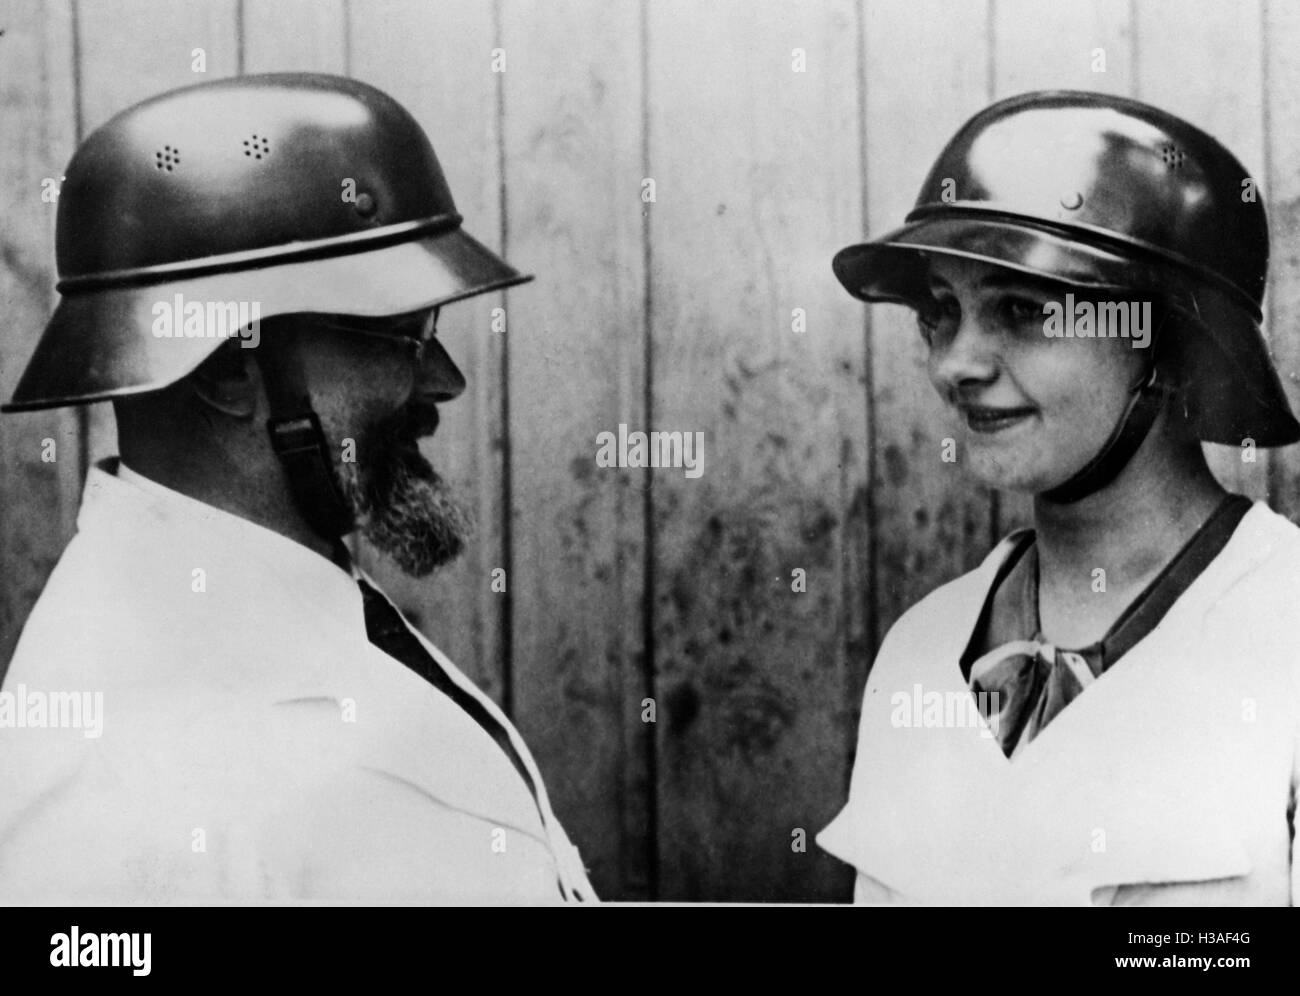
(1107, 193)
(302, 192)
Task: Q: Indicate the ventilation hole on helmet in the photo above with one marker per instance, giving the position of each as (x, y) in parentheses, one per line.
(257, 146)
(167, 158)
(1172, 156)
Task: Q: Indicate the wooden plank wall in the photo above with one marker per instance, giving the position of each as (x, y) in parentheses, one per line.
(822, 446)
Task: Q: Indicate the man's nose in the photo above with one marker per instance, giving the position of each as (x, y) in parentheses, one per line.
(968, 357)
(440, 379)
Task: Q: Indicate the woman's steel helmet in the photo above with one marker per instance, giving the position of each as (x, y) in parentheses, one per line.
(1107, 194)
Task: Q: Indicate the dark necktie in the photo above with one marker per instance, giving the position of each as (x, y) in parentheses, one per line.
(388, 631)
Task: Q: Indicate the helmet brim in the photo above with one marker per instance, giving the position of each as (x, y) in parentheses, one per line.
(99, 343)
(1235, 392)
(894, 267)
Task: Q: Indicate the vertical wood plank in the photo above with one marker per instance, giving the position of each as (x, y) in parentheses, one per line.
(758, 182)
(281, 36)
(576, 347)
(1209, 71)
(133, 49)
(38, 499)
(1054, 47)
(1281, 190)
(436, 59)
(932, 522)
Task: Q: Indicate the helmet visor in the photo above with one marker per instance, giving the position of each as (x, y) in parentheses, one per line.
(105, 343)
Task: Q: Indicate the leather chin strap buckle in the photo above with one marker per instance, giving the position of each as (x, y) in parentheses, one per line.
(1134, 425)
(298, 439)
(299, 442)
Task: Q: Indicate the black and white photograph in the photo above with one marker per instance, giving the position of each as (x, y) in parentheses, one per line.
(650, 452)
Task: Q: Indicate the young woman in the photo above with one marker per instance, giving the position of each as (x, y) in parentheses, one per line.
(1107, 710)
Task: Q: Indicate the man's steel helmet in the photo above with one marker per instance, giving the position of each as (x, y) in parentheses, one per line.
(1106, 193)
(300, 192)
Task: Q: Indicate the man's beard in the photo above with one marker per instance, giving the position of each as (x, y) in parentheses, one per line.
(406, 509)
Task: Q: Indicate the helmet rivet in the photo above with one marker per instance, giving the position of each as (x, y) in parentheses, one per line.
(1072, 201)
(366, 205)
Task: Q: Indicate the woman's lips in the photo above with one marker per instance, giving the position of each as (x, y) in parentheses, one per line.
(989, 420)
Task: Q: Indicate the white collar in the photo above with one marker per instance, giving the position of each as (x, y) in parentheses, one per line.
(114, 491)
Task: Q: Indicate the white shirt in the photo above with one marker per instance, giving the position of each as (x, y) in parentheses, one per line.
(1170, 781)
(255, 746)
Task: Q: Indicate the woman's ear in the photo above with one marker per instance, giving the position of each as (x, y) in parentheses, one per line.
(223, 382)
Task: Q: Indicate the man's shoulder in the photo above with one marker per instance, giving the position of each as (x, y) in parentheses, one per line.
(175, 798)
(100, 613)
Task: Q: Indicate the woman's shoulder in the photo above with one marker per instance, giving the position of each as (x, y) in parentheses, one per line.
(1262, 560)
(1265, 544)
(944, 619)
(1274, 525)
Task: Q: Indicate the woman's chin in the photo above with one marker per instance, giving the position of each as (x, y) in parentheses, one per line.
(1006, 476)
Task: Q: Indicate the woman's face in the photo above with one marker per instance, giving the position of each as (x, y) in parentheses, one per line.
(1031, 409)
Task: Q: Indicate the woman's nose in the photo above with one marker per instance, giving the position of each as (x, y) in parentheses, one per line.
(440, 379)
(969, 356)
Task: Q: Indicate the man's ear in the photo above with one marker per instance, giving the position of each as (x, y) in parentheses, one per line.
(223, 382)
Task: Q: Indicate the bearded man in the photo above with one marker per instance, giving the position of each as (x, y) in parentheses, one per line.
(268, 726)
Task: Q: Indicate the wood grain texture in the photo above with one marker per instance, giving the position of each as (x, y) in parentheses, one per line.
(282, 36)
(1209, 70)
(436, 60)
(932, 523)
(1054, 46)
(576, 337)
(757, 178)
(310, 36)
(38, 498)
(821, 448)
(1281, 190)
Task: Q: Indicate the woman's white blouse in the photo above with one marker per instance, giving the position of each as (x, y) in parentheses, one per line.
(1172, 781)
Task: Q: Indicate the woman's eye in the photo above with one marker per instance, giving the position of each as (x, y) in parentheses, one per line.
(926, 322)
(933, 314)
(1020, 310)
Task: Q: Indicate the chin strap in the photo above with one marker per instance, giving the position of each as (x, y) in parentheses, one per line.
(298, 440)
(1140, 414)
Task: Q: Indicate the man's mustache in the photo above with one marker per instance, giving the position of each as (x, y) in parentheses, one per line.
(415, 420)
